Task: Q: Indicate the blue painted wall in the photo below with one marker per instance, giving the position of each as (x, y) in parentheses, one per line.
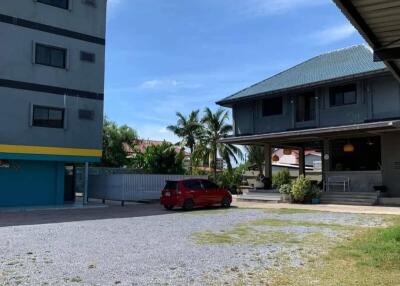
(30, 183)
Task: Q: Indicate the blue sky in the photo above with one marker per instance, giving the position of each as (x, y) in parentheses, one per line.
(165, 56)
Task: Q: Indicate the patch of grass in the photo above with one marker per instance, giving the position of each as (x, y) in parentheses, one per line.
(376, 248)
(289, 211)
(206, 211)
(76, 279)
(244, 234)
(370, 258)
(249, 235)
(282, 223)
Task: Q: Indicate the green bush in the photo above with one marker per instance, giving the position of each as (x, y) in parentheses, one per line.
(315, 192)
(281, 178)
(231, 179)
(301, 189)
(285, 189)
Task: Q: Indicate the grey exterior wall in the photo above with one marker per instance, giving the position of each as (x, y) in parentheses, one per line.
(378, 98)
(15, 128)
(391, 163)
(17, 64)
(80, 17)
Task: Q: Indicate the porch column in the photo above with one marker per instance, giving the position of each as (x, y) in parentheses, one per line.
(326, 157)
(268, 165)
(85, 194)
(302, 164)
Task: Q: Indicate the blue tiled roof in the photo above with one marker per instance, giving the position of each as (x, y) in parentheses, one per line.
(337, 64)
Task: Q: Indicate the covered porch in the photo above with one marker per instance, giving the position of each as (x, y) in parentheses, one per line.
(362, 158)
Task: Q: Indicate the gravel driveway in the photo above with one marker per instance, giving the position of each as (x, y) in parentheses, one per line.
(151, 250)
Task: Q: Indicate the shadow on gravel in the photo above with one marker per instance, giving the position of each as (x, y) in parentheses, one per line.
(111, 211)
(32, 217)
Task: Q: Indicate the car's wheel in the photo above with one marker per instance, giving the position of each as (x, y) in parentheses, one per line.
(168, 207)
(188, 205)
(226, 202)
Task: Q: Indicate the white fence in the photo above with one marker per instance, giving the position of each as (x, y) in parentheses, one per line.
(130, 187)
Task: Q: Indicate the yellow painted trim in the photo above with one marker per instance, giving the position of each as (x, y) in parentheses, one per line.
(39, 150)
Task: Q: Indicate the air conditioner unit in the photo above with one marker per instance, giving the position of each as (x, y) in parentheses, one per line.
(91, 3)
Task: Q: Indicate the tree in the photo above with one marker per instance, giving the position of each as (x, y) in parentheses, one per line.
(188, 129)
(160, 159)
(114, 138)
(256, 156)
(216, 128)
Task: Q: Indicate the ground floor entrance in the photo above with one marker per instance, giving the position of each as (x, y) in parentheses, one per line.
(31, 183)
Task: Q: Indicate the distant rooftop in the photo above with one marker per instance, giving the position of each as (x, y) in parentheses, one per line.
(352, 61)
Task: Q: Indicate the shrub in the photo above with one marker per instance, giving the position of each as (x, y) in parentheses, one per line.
(231, 179)
(285, 189)
(301, 188)
(281, 178)
(315, 192)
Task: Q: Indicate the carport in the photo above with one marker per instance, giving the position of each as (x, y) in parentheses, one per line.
(378, 22)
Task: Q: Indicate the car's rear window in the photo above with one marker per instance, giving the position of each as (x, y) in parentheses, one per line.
(171, 185)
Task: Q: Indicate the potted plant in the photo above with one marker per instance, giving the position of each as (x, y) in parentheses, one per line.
(301, 189)
(285, 190)
(316, 194)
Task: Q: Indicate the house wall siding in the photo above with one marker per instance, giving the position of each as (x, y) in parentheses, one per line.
(378, 98)
(391, 163)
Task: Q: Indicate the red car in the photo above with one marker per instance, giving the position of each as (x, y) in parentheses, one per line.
(191, 193)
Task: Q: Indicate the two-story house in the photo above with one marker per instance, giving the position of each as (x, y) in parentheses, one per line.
(51, 95)
(342, 103)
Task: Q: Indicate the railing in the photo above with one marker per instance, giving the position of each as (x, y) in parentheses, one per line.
(130, 187)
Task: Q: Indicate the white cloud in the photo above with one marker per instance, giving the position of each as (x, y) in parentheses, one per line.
(165, 84)
(271, 7)
(160, 84)
(333, 34)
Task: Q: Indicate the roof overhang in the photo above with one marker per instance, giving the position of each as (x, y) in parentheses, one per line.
(307, 135)
(379, 23)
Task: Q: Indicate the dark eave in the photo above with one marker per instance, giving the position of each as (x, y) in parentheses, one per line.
(314, 133)
(378, 22)
(300, 88)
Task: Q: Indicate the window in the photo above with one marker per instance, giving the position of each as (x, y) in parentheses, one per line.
(50, 56)
(209, 185)
(272, 106)
(193, 185)
(343, 95)
(48, 117)
(171, 185)
(305, 107)
(56, 3)
(366, 155)
(88, 57)
(86, 114)
(91, 3)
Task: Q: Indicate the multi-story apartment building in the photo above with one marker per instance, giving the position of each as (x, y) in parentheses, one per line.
(51, 95)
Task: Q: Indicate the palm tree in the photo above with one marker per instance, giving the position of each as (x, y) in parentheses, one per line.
(216, 128)
(256, 156)
(188, 129)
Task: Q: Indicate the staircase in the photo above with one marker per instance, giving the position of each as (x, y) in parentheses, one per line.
(272, 196)
(350, 198)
